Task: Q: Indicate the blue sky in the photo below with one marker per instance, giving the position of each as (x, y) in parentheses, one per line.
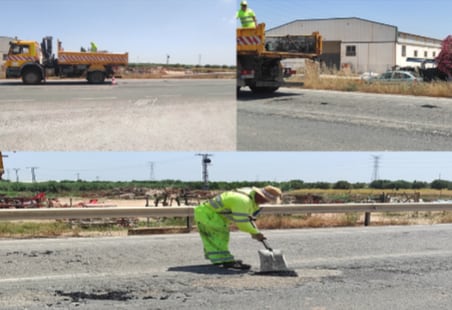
(188, 31)
(200, 31)
(429, 18)
(231, 166)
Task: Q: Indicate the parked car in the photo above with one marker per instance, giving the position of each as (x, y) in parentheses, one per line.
(397, 76)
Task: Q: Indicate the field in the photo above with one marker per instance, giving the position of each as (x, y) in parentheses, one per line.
(313, 78)
(42, 229)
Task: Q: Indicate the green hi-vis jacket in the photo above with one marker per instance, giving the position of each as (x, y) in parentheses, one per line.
(246, 18)
(237, 207)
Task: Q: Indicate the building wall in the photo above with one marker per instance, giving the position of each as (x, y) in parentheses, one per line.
(377, 47)
(4, 47)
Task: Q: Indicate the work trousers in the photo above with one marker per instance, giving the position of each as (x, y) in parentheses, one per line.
(214, 231)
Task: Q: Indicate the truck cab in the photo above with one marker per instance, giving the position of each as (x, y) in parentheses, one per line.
(23, 60)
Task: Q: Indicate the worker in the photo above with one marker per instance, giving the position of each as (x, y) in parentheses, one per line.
(93, 47)
(239, 207)
(246, 15)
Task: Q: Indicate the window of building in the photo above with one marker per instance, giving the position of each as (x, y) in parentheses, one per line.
(403, 50)
(434, 54)
(425, 54)
(350, 50)
(415, 53)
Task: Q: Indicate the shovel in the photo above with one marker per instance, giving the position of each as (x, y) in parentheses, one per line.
(271, 260)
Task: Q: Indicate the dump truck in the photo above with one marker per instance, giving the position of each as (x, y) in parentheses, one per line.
(33, 62)
(259, 57)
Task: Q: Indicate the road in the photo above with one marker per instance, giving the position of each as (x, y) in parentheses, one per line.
(134, 115)
(394, 267)
(304, 120)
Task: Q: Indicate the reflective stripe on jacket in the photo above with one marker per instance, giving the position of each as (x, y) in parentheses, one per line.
(236, 207)
(246, 18)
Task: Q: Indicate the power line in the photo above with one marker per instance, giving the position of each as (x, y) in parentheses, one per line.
(151, 171)
(205, 174)
(33, 173)
(375, 174)
(16, 170)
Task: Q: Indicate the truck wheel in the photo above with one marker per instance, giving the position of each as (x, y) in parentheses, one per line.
(31, 76)
(96, 77)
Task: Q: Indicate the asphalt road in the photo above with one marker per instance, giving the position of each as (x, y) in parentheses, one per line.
(398, 267)
(304, 120)
(134, 115)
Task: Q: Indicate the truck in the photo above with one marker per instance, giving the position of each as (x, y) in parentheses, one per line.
(259, 57)
(34, 62)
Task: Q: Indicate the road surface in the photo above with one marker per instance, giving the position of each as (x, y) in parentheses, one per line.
(134, 115)
(304, 120)
(398, 267)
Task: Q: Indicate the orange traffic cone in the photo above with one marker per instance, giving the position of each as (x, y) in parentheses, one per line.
(113, 81)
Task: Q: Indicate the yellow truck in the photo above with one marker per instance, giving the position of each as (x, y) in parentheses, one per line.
(34, 62)
(259, 57)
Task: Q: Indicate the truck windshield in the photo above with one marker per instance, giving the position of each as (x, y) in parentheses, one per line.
(19, 49)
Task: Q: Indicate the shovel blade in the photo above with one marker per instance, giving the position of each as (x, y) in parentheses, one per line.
(272, 261)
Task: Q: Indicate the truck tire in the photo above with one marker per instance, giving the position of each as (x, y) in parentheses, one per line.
(31, 76)
(96, 77)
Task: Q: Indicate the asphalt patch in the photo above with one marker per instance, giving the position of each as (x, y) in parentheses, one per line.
(281, 273)
(80, 296)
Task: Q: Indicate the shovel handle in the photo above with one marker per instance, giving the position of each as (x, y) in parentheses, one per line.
(264, 241)
(267, 246)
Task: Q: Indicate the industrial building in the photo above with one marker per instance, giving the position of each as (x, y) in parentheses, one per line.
(4, 47)
(362, 45)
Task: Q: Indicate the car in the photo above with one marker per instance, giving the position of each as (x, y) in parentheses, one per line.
(397, 76)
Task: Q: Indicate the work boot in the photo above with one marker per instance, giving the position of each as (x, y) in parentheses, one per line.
(234, 265)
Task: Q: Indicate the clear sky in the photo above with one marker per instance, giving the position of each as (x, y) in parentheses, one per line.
(191, 32)
(429, 18)
(231, 166)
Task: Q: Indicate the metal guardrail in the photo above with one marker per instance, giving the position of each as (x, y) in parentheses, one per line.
(109, 212)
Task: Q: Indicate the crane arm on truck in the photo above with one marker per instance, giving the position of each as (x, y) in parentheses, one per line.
(259, 57)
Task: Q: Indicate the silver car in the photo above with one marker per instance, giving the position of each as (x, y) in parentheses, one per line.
(398, 76)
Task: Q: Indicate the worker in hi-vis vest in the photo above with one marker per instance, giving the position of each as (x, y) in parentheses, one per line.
(246, 15)
(214, 216)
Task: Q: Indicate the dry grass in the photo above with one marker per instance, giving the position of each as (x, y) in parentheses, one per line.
(345, 81)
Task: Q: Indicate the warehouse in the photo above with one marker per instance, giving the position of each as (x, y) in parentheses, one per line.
(363, 45)
(4, 47)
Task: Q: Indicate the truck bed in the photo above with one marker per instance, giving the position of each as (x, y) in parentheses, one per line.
(252, 41)
(88, 58)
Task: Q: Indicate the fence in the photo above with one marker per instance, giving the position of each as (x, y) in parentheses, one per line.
(124, 212)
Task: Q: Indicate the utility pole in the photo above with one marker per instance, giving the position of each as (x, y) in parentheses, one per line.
(17, 173)
(33, 173)
(375, 174)
(205, 162)
(151, 170)
(167, 59)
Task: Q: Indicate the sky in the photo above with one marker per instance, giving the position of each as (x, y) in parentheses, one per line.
(197, 31)
(190, 32)
(230, 166)
(429, 18)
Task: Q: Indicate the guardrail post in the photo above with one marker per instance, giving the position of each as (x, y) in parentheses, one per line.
(189, 224)
(366, 219)
(147, 201)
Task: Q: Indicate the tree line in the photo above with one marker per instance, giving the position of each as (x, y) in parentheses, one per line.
(68, 186)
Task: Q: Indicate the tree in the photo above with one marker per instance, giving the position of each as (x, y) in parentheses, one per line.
(440, 184)
(444, 59)
(342, 185)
